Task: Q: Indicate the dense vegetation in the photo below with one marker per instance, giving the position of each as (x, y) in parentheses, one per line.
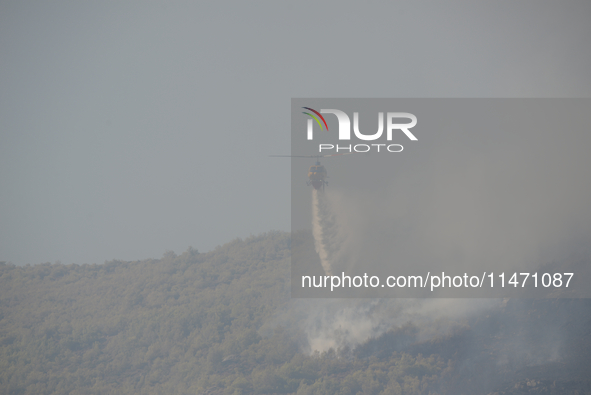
(204, 323)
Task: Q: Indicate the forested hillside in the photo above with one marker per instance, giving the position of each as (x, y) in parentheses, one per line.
(206, 323)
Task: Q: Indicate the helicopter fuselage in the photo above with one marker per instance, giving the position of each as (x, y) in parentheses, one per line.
(317, 176)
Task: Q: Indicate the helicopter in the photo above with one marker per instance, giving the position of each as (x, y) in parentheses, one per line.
(317, 174)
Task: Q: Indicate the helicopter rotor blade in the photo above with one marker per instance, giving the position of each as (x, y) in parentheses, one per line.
(309, 156)
(344, 153)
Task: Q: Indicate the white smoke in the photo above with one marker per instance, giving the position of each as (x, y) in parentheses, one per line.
(336, 323)
(325, 230)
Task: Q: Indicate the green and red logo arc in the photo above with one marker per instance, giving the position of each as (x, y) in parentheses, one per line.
(316, 118)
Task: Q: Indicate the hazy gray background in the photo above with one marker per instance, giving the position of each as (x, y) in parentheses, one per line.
(131, 128)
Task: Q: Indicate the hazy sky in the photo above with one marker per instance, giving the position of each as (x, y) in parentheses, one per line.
(132, 128)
